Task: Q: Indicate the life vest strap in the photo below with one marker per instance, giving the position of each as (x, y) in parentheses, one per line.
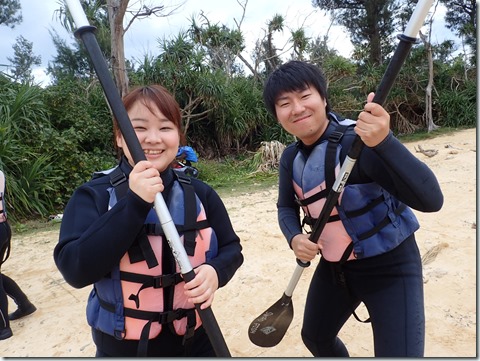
(141, 250)
(382, 224)
(148, 281)
(190, 215)
(152, 281)
(165, 318)
(367, 208)
(118, 180)
(156, 229)
(313, 198)
(311, 221)
(160, 317)
(331, 154)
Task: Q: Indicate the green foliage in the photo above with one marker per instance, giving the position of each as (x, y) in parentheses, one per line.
(10, 13)
(458, 108)
(24, 134)
(23, 60)
(231, 174)
(83, 134)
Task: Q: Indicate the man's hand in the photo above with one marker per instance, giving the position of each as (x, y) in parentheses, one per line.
(373, 124)
(304, 249)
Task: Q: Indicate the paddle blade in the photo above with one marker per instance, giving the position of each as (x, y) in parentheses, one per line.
(268, 329)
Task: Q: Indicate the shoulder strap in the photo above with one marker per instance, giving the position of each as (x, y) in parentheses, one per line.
(331, 154)
(190, 216)
(118, 180)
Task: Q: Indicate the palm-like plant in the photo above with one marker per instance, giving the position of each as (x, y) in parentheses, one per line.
(23, 135)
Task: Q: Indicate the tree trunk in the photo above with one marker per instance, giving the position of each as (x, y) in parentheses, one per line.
(428, 90)
(116, 13)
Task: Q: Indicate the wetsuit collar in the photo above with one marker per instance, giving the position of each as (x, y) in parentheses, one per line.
(333, 121)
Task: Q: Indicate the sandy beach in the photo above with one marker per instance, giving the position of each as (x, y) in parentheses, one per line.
(447, 240)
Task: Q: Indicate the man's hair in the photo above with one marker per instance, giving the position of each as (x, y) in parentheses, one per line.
(293, 76)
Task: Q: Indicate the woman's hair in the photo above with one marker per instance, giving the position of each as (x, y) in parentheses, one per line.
(152, 96)
(293, 76)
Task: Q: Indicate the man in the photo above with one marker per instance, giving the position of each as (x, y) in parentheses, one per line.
(368, 247)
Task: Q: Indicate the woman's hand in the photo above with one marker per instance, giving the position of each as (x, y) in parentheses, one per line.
(373, 124)
(202, 288)
(145, 181)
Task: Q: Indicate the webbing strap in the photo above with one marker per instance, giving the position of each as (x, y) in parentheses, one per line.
(342, 281)
(190, 215)
(160, 317)
(331, 155)
(381, 224)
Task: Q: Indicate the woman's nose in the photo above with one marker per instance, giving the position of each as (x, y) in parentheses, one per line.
(153, 136)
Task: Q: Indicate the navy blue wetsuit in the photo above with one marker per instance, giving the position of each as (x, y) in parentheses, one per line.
(92, 242)
(390, 284)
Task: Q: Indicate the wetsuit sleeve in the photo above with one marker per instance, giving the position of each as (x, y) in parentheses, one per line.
(397, 170)
(229, 257)
(92, 241)
(288, 212)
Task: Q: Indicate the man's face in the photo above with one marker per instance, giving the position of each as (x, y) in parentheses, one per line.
(302, 114)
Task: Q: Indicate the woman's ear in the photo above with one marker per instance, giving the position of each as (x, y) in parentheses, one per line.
(118, 140)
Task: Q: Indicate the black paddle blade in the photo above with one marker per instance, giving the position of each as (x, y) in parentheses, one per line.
(268, 329)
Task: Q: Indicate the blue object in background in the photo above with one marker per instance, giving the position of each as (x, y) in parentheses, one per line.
(189, 153)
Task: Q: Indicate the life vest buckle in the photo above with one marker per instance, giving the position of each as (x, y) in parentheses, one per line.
(117, 178)
(166, 280)
(170, 316)
(335, 136)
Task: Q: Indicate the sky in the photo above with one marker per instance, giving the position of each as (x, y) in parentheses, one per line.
(39, 19)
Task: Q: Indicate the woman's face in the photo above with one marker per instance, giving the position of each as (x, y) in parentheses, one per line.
(158, 136)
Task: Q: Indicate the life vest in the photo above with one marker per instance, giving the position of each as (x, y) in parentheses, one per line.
(366, 221)
(132, 303)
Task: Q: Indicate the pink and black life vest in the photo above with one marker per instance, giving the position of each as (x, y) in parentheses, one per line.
(131, 303)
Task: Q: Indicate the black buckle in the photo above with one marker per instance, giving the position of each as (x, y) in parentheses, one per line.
(170, 316)
(166, 280)
(162, 281)
(335, 137)
(118, 178)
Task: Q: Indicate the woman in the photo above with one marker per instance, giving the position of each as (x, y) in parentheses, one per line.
(111, 237)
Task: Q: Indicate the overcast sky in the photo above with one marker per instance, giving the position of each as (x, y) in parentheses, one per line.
(39, 17)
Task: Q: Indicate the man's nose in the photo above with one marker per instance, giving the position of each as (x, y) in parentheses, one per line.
(298, 107)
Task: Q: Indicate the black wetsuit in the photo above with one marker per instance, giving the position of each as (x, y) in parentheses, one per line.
(390, 284)
(92, 242)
